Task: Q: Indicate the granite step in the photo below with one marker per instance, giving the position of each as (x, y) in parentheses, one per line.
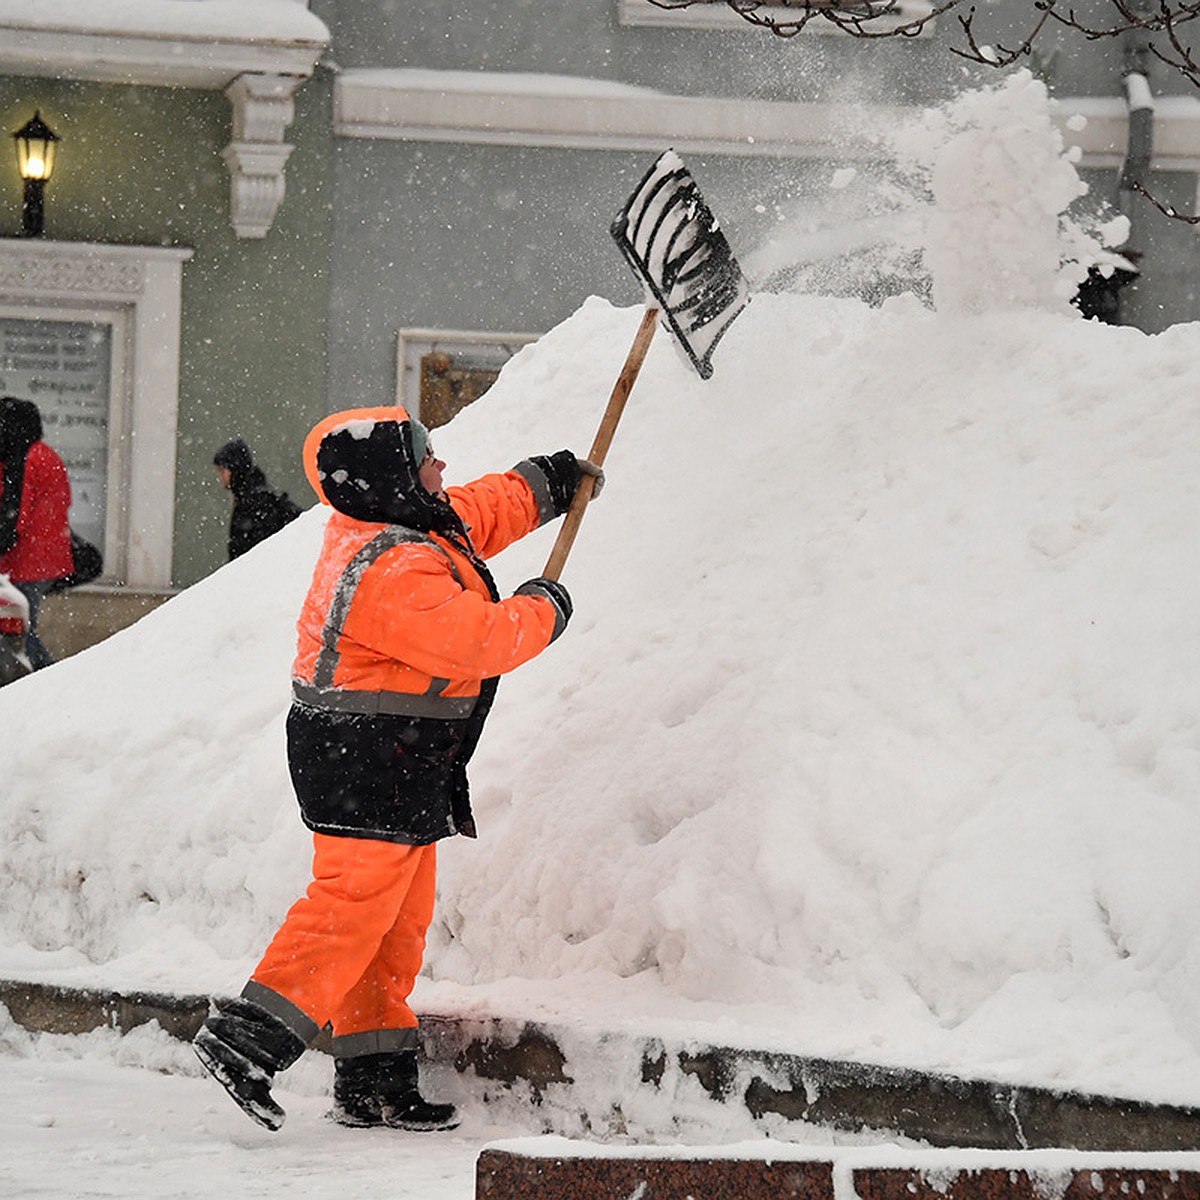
(503, 1053)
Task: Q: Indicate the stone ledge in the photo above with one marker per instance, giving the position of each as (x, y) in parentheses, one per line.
(940, 1110)
(78, 619)
(503, 1174)
(45, 1008)
(1014, 1182)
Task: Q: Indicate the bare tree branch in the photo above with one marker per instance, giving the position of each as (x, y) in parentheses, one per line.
(1168, 210)
(878, 19)
(998, 55)
(859, 18)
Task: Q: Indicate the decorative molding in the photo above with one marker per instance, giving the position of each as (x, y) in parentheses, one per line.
(138, 290)
(257, 156)
(69, 276)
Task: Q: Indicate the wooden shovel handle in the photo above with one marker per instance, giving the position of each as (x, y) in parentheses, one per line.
(604, 437)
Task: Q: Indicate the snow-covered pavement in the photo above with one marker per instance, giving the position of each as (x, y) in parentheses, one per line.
(98, 1116)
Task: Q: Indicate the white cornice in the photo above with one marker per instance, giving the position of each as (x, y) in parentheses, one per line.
(1102, 139)
(590, 115)
(507, 110)
(152, 59)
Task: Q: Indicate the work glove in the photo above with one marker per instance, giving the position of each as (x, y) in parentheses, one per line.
(563, 472)
(587, 467)
(552, 590)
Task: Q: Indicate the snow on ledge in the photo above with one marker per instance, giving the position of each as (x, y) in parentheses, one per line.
(582, 113)
(517, 83)
(1098, 126)
(488, 107)
(180, 43)
(262, 20)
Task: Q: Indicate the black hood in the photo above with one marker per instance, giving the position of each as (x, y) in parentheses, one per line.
(367, 471)
(20, 427)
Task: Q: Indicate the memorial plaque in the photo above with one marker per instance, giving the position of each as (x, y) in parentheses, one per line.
(65, 368)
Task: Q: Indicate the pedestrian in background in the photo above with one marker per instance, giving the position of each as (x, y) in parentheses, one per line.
(258, 510)
(35, 498)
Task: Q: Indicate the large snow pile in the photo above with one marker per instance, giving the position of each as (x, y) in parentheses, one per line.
(874, 734)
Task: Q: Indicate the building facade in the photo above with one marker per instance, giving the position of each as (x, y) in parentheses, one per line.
(259, 216)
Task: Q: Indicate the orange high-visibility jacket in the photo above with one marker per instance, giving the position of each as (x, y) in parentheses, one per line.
(402, 635)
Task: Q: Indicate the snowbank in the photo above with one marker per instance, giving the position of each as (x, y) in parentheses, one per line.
(874, 734)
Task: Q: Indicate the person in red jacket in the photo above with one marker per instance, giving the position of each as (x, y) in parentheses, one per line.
(35, 497)
(401, 640)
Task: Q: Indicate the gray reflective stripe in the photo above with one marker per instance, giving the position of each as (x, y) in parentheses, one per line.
(339, 607)
(536, 478)
(296, 1019)
(376, 1041)
(396, 704)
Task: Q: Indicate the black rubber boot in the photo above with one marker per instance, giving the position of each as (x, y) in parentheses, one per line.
(355, 1092)
(382, 1089)
(242, 1047)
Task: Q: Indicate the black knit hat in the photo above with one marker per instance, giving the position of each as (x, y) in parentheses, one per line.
(235, 455)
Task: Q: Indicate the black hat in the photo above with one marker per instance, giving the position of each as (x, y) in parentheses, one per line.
(235, 455)
(20, 426)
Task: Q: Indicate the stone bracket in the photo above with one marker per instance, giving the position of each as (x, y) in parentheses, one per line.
(257, 155)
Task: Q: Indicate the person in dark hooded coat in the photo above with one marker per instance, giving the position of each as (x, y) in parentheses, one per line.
(258, 510)
(401, 640)
(35, 499)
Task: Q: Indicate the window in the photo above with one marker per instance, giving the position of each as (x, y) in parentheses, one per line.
(65, 367)
(438, 372)
(90, 333)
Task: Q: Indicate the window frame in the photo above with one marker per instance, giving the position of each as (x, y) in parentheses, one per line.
(412, 344)
(138, 292)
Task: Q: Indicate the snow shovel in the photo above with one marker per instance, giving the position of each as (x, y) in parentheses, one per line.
(694, 285)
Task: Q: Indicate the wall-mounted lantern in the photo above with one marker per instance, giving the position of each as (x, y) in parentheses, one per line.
(35, 142)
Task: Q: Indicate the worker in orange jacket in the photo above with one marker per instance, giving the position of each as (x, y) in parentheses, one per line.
(401, 639)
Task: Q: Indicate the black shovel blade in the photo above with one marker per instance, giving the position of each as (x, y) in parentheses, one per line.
(675, 246)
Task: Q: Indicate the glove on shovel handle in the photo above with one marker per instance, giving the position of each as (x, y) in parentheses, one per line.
(604, 437)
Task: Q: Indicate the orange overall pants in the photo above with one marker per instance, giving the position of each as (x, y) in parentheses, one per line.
(348, 952)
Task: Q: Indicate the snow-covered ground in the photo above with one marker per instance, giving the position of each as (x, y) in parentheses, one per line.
(875, 735)
(100, 1116)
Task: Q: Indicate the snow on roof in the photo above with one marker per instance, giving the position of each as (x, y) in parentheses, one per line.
(264, 20)
(176, 43)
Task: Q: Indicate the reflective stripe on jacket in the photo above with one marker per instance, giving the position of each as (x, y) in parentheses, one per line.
(397, 635)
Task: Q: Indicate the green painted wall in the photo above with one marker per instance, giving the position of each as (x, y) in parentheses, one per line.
(142, 166)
